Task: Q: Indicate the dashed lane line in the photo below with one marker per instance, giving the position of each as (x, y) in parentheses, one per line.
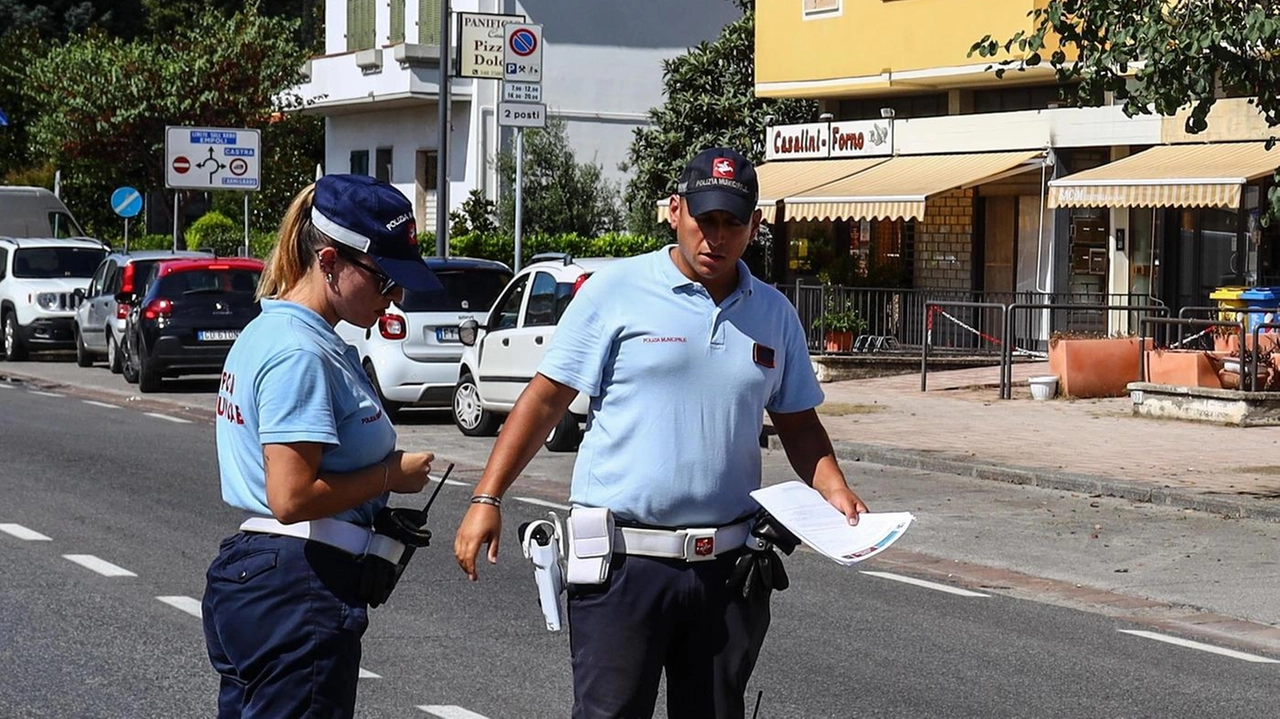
(6, 385)
(21, 532)
(927, 585)
(366, 674)
(168, 418)
(1202, 647)
(185, 604)
(450, 712)
(100, 404)
(457, 483)
(47, 394)
(541, 502)
(101, 566)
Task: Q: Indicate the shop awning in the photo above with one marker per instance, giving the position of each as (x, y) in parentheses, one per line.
(781, 179)
(1168, 176)
(898, 188)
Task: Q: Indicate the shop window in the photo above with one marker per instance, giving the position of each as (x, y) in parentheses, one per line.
(821, 8)
(1011, 99)
(382, 168)
(930, 105)
(359, 162)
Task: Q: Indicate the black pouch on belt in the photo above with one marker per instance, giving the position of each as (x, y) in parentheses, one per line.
(759, 570)
(378, 577)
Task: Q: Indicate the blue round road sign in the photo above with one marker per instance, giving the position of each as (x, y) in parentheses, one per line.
(126, 201)
(524, 42)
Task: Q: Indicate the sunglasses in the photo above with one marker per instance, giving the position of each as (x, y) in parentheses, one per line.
(386, 285)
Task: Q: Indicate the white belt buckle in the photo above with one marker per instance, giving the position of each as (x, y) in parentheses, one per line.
(699, 544)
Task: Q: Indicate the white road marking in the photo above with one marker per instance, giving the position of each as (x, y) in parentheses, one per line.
(166, 417)
(100, 404)
(1202, 647)
(927, 585)
(186, 604)
(22, 532)
(101, 566)
(541, 502)
(456, 483)
(46, 394)
(6, 385)
(366, 674)
(450, 712)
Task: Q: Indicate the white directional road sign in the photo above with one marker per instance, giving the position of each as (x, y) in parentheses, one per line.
(212, 158)
(522, 53)
(522, 114)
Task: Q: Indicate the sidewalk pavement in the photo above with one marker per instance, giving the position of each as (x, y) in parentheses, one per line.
(1091, 446)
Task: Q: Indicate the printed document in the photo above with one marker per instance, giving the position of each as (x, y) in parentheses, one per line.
(821, 526)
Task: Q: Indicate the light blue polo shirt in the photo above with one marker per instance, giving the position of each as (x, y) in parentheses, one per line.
(679, 386)
(290, 378)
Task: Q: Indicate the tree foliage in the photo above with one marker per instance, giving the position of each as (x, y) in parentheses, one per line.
(98, 105)
(711, 102)
(560, 195)
(61, 18)
(1153, 57)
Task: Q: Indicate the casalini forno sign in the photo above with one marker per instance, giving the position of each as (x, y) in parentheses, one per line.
(820, 140)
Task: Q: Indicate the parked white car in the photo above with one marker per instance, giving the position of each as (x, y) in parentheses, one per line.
(411, 355)
(39, 279)
(504, 349)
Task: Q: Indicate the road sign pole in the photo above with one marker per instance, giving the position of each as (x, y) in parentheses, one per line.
(126, 234)
(442, 154)
(519, 193)
(176, 202)
(246, 224)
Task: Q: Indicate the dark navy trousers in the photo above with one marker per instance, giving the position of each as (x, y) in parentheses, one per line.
(658, 614)
(283, 627)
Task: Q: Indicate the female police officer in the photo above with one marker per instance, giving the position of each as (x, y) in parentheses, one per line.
(682, 351)
(305, 448)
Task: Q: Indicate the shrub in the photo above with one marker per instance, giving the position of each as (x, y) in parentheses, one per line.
(146, 242)
(201, 232)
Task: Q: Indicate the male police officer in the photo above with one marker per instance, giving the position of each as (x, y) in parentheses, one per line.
(682, 351)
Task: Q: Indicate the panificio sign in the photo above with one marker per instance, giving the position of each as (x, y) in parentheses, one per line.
(480, 44)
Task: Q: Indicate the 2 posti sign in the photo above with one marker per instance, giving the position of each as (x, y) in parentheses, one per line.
(816, 140)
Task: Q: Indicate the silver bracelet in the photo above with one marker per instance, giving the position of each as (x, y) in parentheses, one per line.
(486, 499)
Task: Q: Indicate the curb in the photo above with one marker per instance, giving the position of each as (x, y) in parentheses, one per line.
(1230, 506)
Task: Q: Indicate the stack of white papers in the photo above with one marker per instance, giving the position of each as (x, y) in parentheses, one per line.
(821, 526)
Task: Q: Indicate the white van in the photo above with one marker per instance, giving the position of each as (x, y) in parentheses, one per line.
(35, 212)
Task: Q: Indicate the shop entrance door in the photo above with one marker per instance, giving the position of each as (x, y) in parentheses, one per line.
(1000, 227)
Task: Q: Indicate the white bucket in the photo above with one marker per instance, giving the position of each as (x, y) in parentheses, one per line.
(1043, 387)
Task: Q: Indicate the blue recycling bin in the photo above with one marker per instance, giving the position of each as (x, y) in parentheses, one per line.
(1265, 298)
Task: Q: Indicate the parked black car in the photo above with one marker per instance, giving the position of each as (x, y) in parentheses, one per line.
(192, 312)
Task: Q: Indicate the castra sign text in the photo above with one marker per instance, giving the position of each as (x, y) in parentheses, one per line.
(815, 140)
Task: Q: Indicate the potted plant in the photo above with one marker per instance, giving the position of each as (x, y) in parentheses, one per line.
(840, 323)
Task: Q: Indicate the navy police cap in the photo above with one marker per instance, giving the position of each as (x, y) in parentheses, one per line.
(720, 179)
(375, 218)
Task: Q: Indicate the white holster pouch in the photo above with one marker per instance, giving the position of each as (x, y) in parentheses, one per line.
(540, 541)
(590, 545)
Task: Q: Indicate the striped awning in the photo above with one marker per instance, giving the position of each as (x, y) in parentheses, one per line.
(1169, 176)
(899, 188)
(781, 179)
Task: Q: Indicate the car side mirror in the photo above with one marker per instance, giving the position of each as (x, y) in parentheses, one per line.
(125, 298)
(468, 332)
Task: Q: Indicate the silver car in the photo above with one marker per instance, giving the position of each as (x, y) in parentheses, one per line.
(100, 319)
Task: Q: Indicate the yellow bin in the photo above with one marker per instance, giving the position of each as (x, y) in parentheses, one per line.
(1228, 298)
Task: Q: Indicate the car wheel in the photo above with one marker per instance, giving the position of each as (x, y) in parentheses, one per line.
(148, 376)
(128, 362)
(392, 408)
(565, 436)
(471, 417)
(83, 358)
(14, 348)
(115, 359)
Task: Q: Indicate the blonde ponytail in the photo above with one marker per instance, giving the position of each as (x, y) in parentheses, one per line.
(295, 250)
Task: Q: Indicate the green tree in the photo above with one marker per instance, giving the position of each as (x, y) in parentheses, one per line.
(560, 195)
(166, 17)
(61, 18)
(711, 102)
(1154, 57)
(99, 105)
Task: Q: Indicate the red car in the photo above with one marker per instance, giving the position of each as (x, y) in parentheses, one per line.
(192, 312)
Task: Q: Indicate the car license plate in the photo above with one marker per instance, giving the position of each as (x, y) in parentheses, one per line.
(217, 335)
(446, 334)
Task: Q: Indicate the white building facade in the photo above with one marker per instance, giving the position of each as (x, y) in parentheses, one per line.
(378, 86)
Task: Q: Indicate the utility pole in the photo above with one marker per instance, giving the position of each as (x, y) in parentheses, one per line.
(442, 153)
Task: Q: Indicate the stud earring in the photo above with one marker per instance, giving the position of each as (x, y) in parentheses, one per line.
(328, 277)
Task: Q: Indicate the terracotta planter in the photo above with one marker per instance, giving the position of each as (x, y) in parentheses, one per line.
(1183, 368)
(1229, 344)
(837, 341)
(1095, 367)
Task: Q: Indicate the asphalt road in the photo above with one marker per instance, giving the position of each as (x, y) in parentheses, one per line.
(140, 492)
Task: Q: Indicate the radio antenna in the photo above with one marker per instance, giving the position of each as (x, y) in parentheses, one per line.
(439, 484)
